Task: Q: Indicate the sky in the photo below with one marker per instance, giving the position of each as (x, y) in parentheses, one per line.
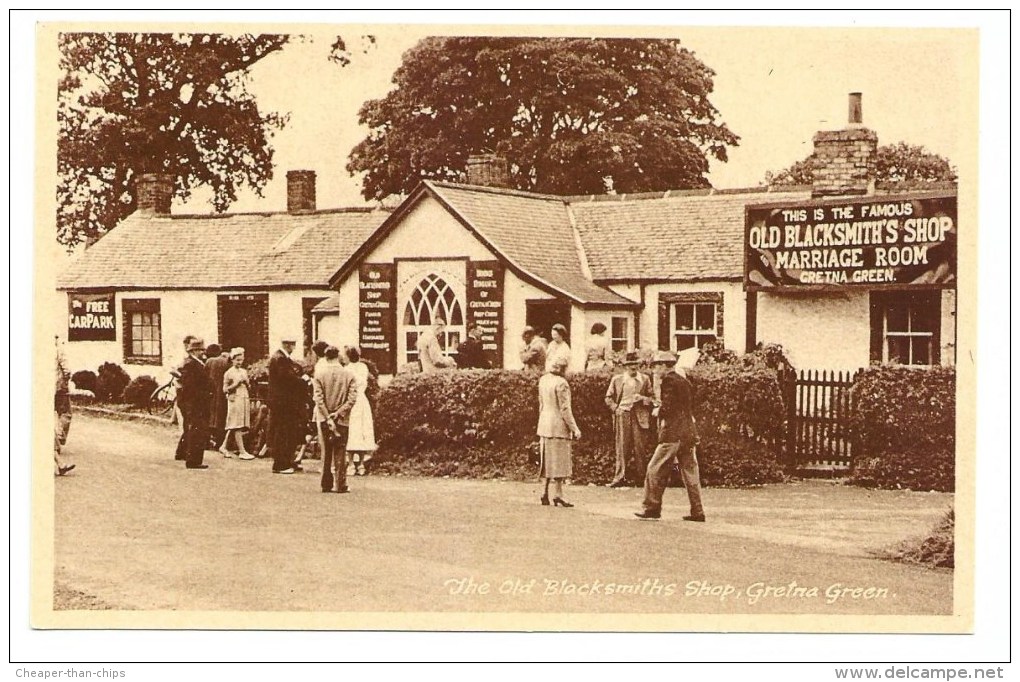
(773, 87)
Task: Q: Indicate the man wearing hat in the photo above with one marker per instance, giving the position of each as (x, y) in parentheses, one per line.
(195, 400)
(287, 400)
(629, 397)
(533, 353)
(677, 438)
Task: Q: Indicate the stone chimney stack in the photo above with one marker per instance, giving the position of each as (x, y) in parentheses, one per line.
(489, 170)
(300, 191)
(153, 194)
(845, 159)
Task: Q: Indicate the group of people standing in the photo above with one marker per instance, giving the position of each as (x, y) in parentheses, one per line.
(330, 402)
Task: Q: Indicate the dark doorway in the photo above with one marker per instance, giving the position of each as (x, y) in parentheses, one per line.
(308, 322)
(244, 321)
(542, 315)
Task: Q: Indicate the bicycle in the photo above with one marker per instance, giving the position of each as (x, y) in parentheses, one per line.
(163, 401)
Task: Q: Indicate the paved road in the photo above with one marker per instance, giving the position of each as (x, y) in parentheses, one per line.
(135, 530)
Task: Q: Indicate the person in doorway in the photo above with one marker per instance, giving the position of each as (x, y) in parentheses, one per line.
(335, 394)
(470, 354)
(216, 364)
(533, 352)
(556, 429)
(361, 434)
(629, 398)
(559, 347)
(430, 351)
(62, 413)
(238, 418)
(195, 399)
(597, 348)
(288, 390)
(677, 438)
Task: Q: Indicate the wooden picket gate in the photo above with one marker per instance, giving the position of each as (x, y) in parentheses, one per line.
(818, 419)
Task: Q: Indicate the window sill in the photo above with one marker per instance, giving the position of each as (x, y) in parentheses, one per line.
(152, 360)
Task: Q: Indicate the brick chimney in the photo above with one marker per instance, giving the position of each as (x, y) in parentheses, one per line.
(845, 159)
(300, 191)
(153, 193)
(489, 170)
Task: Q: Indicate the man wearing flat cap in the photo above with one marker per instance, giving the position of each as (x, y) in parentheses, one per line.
(195, 400)
(678, 437)
(629, 398)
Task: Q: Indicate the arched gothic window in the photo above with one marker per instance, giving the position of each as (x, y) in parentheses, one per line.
(433, 298)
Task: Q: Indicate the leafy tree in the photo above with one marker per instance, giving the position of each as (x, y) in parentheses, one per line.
(132, 103)
(570, 115)
(893, 163)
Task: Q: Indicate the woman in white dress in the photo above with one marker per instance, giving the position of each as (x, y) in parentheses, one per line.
(235, 385)
(361, 434)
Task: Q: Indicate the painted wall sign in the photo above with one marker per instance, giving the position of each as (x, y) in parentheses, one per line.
(377, 314)
(485, 306)
(855, 243)
(91, 317)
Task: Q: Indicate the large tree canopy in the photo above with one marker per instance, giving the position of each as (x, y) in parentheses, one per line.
(570, 115)
(893, 163)
(132, 103)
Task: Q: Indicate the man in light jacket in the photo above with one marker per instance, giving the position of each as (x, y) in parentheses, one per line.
(629, 397)
(334, 392)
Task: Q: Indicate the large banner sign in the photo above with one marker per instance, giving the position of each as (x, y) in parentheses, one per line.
(869, 243)
(91, 317)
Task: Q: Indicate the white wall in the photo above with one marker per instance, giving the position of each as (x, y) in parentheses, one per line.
(429, 231)
(948, 329)
(181, 313)
(818, 330)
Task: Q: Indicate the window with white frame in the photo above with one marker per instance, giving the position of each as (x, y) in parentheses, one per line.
(905, 327)
(690, 319)
(431, 299)
(620, 338)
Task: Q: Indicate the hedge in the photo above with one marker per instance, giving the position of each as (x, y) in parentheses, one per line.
(138, 392)
(111, 382)
(904, 420)
(481, 423)
(84, 380)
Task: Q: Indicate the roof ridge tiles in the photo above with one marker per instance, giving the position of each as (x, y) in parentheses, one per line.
(270, 214)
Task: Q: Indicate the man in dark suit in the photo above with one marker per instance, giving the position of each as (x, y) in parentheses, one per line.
(677, 438)
(469, 353)
(335, 392)
(216, 364)
(182, 443)
(288, 397)
(195, 401)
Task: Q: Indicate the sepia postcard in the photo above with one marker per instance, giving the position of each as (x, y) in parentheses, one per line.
(493, 328)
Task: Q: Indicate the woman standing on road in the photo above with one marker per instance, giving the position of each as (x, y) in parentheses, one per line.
(556, 428)
(361, 436)
(235, 386)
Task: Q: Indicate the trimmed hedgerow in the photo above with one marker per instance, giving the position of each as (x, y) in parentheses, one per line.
(904, 420)
(84, 380)
(937, 549)
(111, 382)
(481, 423)
(138, 392)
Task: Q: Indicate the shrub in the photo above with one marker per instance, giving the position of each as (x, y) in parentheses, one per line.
(111, 382)
(482, 423)
(904, 423)
(84, 380)
(138, 392)
(937, 549)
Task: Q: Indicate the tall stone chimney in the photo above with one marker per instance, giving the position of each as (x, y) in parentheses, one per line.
(153, 194)
(489, 170)
(300, 191)
(845, 159)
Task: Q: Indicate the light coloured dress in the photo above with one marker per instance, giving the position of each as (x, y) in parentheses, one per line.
(597, 351)
(235, 385)
(361, 433)
(554, 350)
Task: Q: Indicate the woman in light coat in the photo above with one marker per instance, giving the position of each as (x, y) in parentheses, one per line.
(557, 429)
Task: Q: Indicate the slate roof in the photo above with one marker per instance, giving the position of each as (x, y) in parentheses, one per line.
(533, 232)
(684, 236)
(223, 251)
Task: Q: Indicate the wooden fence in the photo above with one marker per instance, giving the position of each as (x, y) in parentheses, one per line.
(818, 420)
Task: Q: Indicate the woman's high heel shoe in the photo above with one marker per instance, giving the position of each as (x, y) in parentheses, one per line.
(560, 502)
(545, 500)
